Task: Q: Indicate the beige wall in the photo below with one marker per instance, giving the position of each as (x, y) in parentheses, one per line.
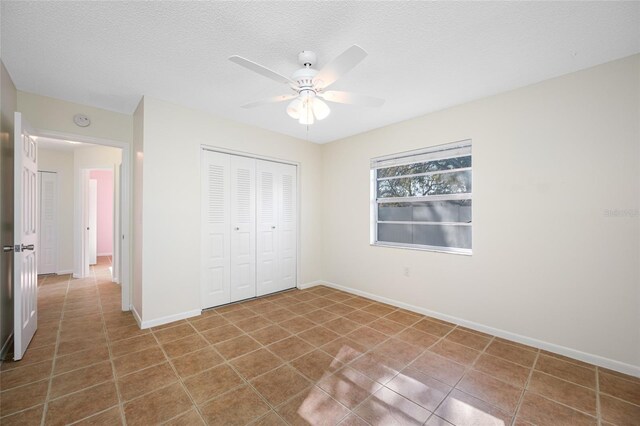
(548, 161)
(138, 157)
(61, 162)
(171, 197)
(8, 105)
(51, 114)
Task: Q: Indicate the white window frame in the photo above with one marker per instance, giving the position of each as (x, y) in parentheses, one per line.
(438, 152)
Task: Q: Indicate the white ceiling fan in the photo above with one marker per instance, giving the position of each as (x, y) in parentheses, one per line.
(309, 85)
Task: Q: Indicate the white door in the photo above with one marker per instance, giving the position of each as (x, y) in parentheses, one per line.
(243, 228)
(25, 265)
(286, 227)
(267, 221)
(93, 222)
(47, 246)
(215, 244)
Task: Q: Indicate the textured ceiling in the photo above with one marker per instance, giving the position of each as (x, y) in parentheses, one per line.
(423, 56)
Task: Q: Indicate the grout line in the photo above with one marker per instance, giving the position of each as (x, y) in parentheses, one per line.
(524, 389)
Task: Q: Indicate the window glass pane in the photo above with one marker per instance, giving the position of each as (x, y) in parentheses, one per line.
(429, 166)
(420, 186)
(454, 236)
(427, 211)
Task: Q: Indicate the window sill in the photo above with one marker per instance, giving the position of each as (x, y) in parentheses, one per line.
(463, 252)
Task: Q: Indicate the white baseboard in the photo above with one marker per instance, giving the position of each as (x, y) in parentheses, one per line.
(64, 272)
(165, 320)
(136, 315)
(309, 285)
(5, 346)
(600, 361)
(104, 254)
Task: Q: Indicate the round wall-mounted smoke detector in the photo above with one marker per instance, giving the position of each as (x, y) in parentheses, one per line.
(81, 120)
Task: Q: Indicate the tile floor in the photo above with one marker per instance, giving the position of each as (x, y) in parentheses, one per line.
(317, 356)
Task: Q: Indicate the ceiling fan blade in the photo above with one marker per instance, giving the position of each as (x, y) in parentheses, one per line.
(272, 100)
(262, 70)
(350, 98)
(339, 66)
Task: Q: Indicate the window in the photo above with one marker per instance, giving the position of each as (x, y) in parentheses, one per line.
(422, 199)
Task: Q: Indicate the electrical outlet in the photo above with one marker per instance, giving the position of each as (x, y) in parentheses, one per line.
(406, 271)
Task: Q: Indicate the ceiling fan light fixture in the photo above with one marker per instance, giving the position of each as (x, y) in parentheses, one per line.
(294, 108)
(320, 109)
(306, 114)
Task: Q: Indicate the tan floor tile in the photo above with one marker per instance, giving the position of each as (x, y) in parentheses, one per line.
(27, 396)
(367, 337)
(79, 405)
(578, 397)
(386, 326)
(110, 417)
(566, 371)
(32, 356)
(403, 317)
(237, 347)
(458, 353)
(300, 308)
(462, 409)
(72, 346)
(174, 333)
(256, 363)
(158, 406)
(432, 327)
(135, 384)
(184, 346)
(32, 416)
(417, 338)
(196, 362)
(279, 385)
(321, 302)
(170, 324)
(318, 336)
(344, 350)
(378, 309)
(316, 365)
(471, 340)
(440, 368)
(619, 412)
(361, 317)
(278, 315)
(270, 334)
(269, 419)
(358, 302)
(290, 348)
(419, 388)
(353, 420)
(342, 325)
(21, 376)
(320, 316)
(211, 383)
(339, 309)
(252, 324)
(81, 359)
(620, 387)
(209, 322)
(399, 350)
(349, 387)
(80, 379)
(138, 360)
(511, 353)
(386, 407)
(502, 369)
(491, 390)
(297, 324)
(190, 418)
(377, 367)
(237, 407)
(134, 344)
(125, 332)
(314, 407)
(539, 410)
(220, 334)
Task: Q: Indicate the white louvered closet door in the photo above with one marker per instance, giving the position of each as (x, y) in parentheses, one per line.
(287, 222)
(215, 250)
(243, 228)
(267, 274)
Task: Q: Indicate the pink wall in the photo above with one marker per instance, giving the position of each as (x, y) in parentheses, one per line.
(105, 210)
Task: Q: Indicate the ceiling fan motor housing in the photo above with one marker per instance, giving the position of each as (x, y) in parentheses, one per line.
(304, 77)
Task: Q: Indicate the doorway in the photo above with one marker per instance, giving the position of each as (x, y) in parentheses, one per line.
(76, 161)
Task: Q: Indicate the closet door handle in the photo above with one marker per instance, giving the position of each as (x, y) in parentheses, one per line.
(273, 227)
(237, 228)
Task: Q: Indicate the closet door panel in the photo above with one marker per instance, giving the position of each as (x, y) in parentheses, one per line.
(287, 224)
(267, 273)
(243, 228)
(215, 249)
